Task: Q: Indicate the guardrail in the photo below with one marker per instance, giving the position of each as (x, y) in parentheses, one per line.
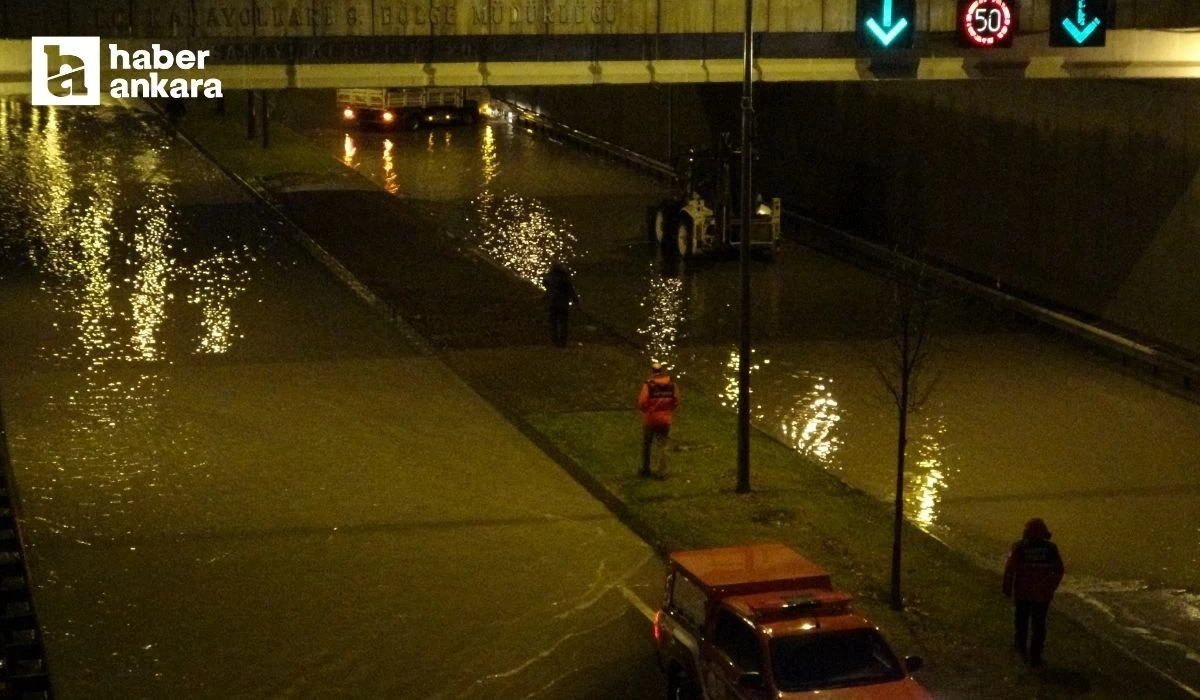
(1158, 360)
(541, 122)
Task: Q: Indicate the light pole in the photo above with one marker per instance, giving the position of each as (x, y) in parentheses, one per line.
(743, 454)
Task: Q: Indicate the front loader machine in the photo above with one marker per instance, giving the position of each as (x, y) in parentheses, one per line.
(705, 217)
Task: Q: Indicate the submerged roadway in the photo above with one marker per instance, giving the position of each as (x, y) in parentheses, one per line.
(237, 482)
(149, 308)
(1022, 422)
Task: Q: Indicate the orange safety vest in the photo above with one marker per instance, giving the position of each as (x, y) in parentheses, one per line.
(658, 399)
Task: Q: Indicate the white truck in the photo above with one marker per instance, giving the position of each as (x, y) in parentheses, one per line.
(412, 108)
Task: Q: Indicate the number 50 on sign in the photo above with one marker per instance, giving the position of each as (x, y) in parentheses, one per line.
(987, 23)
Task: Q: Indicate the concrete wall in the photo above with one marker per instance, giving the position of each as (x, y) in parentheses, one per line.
(1086, 194)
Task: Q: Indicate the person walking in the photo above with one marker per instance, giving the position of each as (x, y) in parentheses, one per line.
(560, 294)
(1031, 575)
(657, 400)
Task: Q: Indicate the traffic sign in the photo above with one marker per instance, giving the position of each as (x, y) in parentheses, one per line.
(886, 24)
(987, 24)
(1075, 23)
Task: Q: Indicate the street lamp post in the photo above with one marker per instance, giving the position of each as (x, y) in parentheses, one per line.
(743, 454)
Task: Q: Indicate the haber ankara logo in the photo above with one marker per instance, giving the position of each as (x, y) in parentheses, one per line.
(66, 70)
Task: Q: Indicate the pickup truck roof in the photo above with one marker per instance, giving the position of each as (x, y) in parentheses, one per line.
(783, 613)
(748, 569)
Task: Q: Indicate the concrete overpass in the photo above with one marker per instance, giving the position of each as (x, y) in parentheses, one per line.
(268, 44)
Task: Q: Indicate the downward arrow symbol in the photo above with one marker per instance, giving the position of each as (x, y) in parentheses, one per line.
(884, 34)
(886, 37)
(1080, 33)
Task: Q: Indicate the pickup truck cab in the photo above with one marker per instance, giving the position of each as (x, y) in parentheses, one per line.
(760, 621)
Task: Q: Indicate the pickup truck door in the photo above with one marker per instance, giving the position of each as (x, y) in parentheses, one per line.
(729, 652)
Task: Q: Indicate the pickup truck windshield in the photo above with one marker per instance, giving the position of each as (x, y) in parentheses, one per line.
(833, 660)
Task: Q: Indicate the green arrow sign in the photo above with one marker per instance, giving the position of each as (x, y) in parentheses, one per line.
(888, 31)
(884, 24)
(1081, 31)
(1076, 23)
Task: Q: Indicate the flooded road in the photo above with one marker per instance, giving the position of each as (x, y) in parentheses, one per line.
(238, 482)
(1021, 423)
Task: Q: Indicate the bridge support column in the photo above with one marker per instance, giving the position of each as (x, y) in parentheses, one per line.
(266, 128)
(670, 124)
(251, 125)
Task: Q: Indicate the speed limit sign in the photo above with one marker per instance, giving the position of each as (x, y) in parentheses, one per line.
(987, 23)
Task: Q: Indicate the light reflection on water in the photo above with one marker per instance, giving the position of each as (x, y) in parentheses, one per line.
(491, 163)
(219, 279)
(729, 394)
(150, 293)
(389, 169)
(801, 408)
(663, 306)
(810, 424)
(927, 483)
(517, 232)
(99, 231)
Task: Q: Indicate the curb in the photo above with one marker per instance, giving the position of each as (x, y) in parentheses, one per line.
(24, 672)
(640, 527)
(388, 311)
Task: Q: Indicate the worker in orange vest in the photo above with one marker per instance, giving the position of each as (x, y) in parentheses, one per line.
(658, 399)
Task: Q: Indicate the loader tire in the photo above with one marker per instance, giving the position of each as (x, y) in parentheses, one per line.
(685, 239)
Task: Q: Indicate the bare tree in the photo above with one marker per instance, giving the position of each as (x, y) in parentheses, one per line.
(902, 366)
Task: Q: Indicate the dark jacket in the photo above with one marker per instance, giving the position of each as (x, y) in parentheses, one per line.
(560, 293)
(1034, 568)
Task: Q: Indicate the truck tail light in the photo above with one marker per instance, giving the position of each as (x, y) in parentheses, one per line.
(658, 630)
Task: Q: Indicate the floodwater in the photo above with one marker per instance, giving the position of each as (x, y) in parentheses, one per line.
(223, 459)
(1019, 423)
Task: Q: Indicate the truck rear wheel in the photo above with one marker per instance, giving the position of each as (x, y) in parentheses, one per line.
(685, 239)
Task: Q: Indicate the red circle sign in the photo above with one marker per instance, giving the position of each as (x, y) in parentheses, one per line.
(987, 22)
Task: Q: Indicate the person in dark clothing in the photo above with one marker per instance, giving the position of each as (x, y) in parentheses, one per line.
(175, 110)
(560, 294)
(1031, 575)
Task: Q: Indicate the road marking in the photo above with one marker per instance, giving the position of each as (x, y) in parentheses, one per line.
(636, 602)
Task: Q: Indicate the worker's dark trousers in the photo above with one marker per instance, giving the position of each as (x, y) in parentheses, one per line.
(1027, 612)
(558, 326)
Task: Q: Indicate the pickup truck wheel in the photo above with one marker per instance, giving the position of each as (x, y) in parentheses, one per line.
(680, 686)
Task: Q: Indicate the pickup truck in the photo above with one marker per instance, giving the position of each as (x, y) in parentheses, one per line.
(760, 621)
